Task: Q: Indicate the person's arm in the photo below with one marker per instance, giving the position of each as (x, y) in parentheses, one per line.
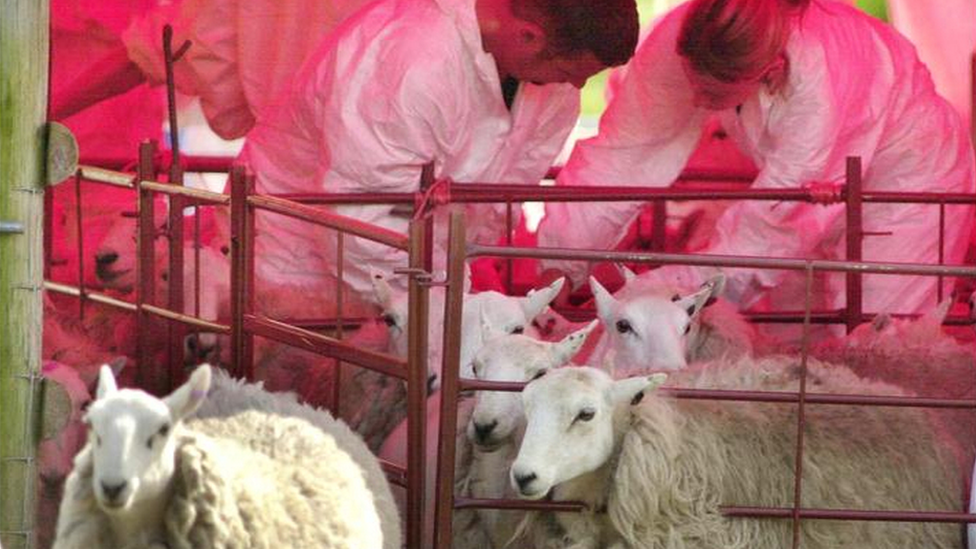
(113, 75)
(646, 136)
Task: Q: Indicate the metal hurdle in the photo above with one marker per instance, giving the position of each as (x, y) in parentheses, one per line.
(460, 251)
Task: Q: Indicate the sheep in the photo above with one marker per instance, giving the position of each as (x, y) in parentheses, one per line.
(917, 356)
(661, 468)
(147, 480)
(228, 396)
(648, 325)
(485, 315)
(496, 422)
(508, 314)
(66, 394)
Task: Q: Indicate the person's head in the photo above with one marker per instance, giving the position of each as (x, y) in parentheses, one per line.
(547, 41)
(731, 48)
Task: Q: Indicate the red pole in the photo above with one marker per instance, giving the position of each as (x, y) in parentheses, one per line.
(145, 274)
(418, 305)
(855, 237)
(242, 291)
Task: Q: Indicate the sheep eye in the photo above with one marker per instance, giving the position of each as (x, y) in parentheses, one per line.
(389, 320)
(586, 414)
(623, 326)
(538, 374)
(518, 330)
(163, 431)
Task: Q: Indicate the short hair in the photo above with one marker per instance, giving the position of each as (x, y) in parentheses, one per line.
(606, 28)
(734, 40)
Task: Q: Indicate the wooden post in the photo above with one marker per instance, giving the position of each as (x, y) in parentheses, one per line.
(23, 101)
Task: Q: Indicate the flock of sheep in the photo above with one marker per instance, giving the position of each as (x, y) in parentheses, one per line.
(244, 467)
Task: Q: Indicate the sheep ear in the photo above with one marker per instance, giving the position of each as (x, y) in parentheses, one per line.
(694, 303)
(106, 382)
(382, 289)
(185, 400)
(628, 274)
(604, 301)
(631, 390)
(537, 300)
(562, 352)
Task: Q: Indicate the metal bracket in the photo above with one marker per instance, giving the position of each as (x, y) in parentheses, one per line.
(62, 153)
(11, 227)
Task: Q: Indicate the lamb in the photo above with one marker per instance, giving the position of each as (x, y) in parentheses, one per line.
(662, 468)
(650, 326)
(147, 480)
(228, 396)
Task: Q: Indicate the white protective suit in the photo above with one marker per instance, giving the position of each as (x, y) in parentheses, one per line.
(244, 52)
(400, 84)
(855, 88)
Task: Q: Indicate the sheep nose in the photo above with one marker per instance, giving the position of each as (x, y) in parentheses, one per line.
(431, 382)
(524, 480)
(483, 430)
(112, 491)
(106, 258)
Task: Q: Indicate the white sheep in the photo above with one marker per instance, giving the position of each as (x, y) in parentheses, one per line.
(651, 326)
(506, 314)
(66, 394)
(496, 423)
(147, 480)
(661, 468)
(228, 396)
(483, 315)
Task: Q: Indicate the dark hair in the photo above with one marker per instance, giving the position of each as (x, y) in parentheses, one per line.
(733, 40)
(606, 28)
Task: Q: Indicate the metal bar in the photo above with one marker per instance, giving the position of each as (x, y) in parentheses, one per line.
(325, 346)
(80, 244)
(145, 274)
(117, 179)
(198, 196)
(90, 296)
(450, 370)
(478, 250)
(190, 163)
(175, 281)
(416, 370)
(394, 473)
(762, 396)
(509, 263)
(801, 411)
(337, 367)
(331, 220)
(187, 320)
(174, 127)
(942, 212)
(848, 514)
(249, 277)
(518, 504)
(239, 244)
(855, 241)
(11, 227)
(659, 229)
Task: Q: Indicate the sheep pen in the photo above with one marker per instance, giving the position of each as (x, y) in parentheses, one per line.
(662, 468)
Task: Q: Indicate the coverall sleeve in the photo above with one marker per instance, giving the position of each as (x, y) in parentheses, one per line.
(646, 136)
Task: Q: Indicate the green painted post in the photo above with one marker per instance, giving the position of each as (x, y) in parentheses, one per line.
(23, 101)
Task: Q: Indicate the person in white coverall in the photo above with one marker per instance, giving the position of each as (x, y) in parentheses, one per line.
(799, 85)
(487, 90)
(243, 53)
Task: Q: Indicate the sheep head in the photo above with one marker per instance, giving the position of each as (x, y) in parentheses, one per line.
(132, 436)
(651, 329)
(570, 425)
(514, 358)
